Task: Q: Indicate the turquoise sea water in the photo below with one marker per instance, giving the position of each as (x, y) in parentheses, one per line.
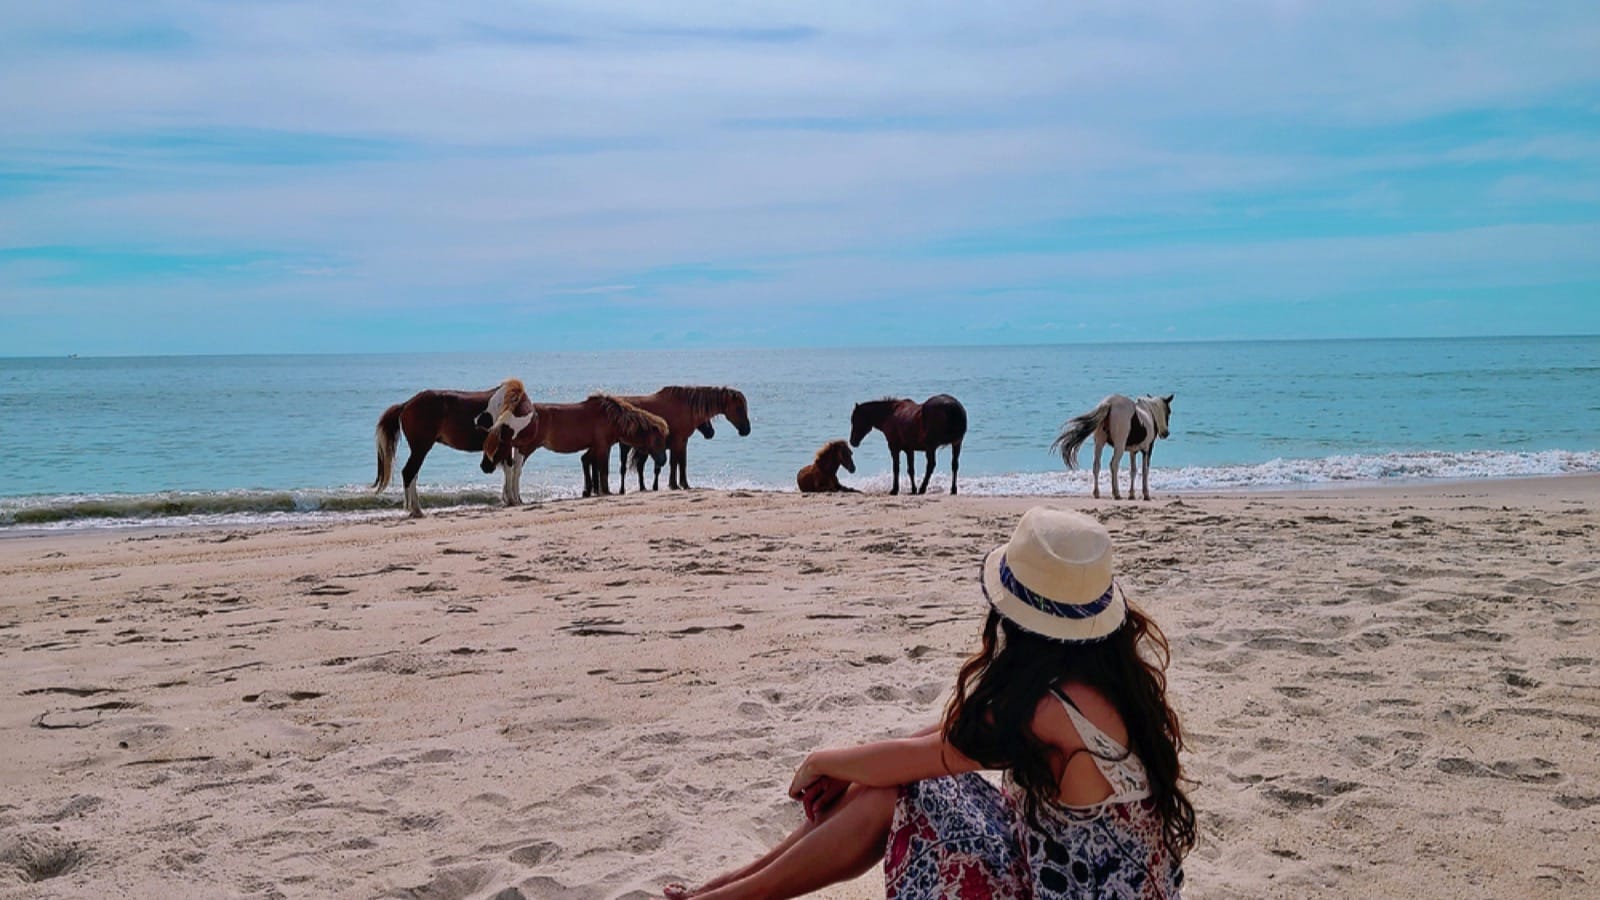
(243, 438)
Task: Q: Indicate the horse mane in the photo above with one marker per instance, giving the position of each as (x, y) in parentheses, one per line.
(832, 451)
(638, 426)
(514, 393)
(704, 401)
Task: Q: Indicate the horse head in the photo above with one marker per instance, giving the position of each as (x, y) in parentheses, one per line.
(1161, 411)
(860, 424)
(736, 410)
(496, 448)
(842, 456)
(499, 445)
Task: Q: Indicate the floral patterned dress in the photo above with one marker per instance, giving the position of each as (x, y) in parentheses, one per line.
(962, 838)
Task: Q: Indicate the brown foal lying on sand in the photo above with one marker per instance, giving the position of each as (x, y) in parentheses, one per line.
(822, 476)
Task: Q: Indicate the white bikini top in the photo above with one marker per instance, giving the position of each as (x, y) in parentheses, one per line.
(1117, 764)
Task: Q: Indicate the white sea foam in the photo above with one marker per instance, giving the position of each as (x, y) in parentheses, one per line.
(225, 508)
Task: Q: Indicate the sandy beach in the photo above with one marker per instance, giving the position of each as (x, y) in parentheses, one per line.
(1388, 692)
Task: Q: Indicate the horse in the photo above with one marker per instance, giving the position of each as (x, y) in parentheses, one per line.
(439, 417)
(822, 476)
(633, 458)
(910, 426)
(1131, 425)
(687, 409)
(589, 427)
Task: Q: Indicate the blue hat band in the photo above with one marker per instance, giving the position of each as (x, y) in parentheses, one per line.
(1050, 607)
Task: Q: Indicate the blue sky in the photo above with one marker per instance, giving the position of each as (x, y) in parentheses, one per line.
(214, 177)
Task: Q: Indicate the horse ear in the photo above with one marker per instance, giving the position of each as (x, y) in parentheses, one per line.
(1169, 398)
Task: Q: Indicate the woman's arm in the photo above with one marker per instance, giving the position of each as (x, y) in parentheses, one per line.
(884, 763)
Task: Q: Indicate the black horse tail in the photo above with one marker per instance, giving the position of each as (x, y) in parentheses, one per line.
(1077, 430)
(388, 437)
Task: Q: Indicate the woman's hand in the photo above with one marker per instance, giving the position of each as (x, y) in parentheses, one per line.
(821, 795)
(814, 789)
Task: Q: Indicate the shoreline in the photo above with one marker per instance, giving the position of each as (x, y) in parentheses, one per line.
(592, 699)
(1500, 486)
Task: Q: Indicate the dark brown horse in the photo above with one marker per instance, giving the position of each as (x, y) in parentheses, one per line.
(590, 427)
(687, 409)
(438, 417)
(822, 476)
(910, 426)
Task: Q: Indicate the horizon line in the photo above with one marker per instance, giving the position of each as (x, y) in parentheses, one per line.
(758, 347)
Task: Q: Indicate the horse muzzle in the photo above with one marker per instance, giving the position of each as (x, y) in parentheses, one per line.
(487, 465)
(482, 421)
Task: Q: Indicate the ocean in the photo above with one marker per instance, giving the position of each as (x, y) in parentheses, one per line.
(113, 442)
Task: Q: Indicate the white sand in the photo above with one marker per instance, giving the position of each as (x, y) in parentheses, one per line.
(1387, 693)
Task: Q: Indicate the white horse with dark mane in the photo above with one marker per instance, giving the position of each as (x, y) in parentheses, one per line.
(1127, 425)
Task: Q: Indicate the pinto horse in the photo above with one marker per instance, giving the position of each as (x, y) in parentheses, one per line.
(589, 427)
(438, 417)
(687, 409)
(1131, 425)
(822, 476)
(910, 426)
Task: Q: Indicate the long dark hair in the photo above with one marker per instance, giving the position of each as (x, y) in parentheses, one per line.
(990, 718)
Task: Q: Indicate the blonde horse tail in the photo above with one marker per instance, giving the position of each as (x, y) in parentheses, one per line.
(1077, 430)
(387, 437)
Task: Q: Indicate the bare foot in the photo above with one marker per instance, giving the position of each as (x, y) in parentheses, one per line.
(677, 891)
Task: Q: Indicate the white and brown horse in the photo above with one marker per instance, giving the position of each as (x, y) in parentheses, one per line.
(439, 417)
(590, 427)
(1127, 425)
(822, 476)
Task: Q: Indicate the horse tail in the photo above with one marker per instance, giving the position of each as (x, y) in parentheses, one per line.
(1077, 430)
(387, 437)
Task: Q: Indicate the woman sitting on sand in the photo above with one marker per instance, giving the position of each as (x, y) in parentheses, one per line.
(1067, 697)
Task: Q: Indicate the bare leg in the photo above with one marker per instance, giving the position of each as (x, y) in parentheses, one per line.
(846, 842)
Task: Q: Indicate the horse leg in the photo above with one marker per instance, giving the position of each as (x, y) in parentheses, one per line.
(927, 472)
(955, 465)
(894, 459)
(622, 466)
(1147, 470)
(518, 460)
(602, 470)
(587, 461)
(1133, 473)
(1098, 446)
(408, 475)
(1116, 466)
(911, 471)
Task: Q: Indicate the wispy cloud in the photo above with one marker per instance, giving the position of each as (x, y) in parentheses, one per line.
(802, 165)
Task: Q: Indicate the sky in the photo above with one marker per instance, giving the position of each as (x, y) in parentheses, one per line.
(251, 176)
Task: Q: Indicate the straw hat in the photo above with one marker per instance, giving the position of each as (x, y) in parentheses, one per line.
(1053, 577)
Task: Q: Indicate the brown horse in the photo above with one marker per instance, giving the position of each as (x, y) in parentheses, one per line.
(438, 417)
(910, 426)
(589, 427)
(686, 409)
(822, 476)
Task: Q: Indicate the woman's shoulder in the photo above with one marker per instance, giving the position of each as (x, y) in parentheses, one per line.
(1054, 724)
